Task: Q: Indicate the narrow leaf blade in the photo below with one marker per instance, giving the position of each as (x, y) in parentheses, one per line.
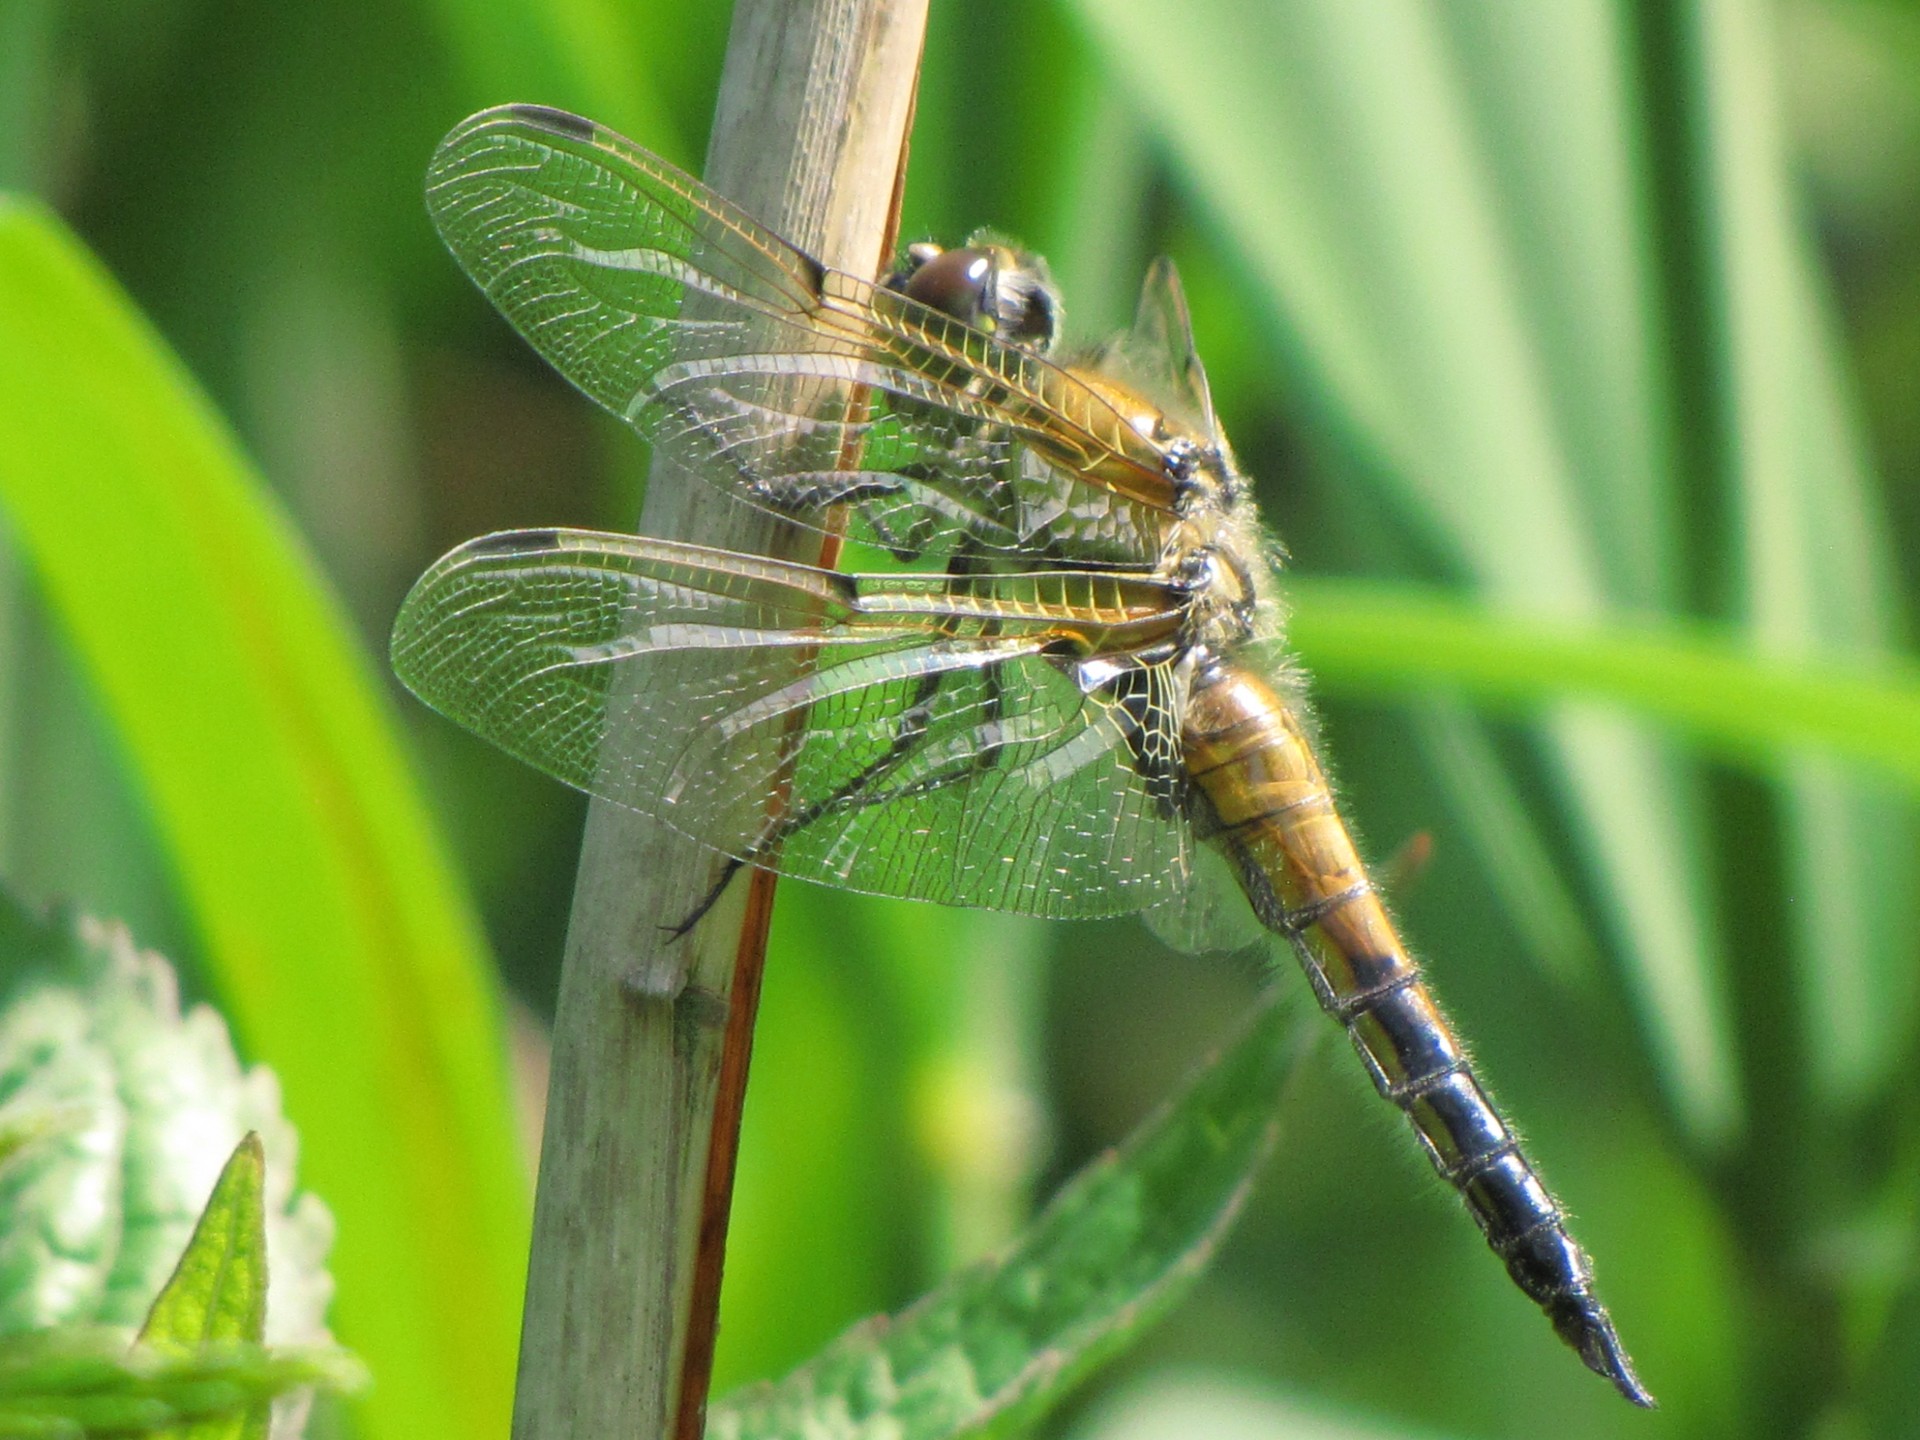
(254, 727)
(1001, 1340)
(1706, 684)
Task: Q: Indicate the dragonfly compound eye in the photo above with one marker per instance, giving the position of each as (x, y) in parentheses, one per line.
(993, 288)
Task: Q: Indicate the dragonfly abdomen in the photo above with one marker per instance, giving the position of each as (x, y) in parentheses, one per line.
(1273, 811)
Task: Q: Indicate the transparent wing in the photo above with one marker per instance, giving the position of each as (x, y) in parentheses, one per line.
(1157, 356)
(934, 744)
(758, 369)
(1209, 913)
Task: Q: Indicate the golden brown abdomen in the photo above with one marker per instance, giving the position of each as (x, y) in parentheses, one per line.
(1269, 806)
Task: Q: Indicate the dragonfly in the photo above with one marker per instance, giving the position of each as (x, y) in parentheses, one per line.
(1071, 697)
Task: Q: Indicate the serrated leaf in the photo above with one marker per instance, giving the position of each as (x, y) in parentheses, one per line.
(98, 1012)
(1001, 1340)
(149, 1101)
(61, 1203)
(93, 1222)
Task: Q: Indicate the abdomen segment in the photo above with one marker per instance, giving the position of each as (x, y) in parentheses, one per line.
(1273, 812)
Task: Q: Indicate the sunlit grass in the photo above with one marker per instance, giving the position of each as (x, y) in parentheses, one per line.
(1509, 308)
(342, 944)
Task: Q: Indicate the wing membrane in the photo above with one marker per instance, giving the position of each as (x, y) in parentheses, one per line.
(934, 742)
(756, 368)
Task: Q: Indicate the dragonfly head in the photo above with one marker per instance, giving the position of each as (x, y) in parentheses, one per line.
(985, 284)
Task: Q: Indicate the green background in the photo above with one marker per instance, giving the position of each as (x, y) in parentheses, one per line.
(1585, 335)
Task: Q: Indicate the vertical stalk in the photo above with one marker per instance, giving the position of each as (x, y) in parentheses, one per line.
(650, 1034)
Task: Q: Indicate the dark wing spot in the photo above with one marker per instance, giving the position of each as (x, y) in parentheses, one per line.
(560, 122)
(816, 273)
(847, 587)
(514, 540)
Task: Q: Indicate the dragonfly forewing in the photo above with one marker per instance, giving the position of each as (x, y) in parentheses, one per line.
(793, 386)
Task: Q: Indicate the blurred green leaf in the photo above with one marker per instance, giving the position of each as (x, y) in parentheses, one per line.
(1516, 860)
(594, 57)
(76, 1384)
(1358, 637)
(1003, 1339)
(18, 1131)
(255, 729)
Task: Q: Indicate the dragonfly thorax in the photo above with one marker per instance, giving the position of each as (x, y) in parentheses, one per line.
(1212, 565)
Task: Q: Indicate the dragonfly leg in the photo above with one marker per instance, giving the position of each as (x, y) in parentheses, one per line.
(732, 866)
(913, 724)
(806, 490)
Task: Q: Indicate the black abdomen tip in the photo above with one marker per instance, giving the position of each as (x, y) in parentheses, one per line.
(1545, 1262)
(1585, 1325)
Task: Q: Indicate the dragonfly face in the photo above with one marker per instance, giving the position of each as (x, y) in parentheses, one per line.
(1082, 698)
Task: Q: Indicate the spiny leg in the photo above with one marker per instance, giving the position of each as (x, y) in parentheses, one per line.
(912, 726)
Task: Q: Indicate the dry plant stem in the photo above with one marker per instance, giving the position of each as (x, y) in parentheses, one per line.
(636, 1165)
(716, 1204)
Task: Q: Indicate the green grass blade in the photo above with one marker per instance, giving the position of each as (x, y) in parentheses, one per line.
(1815, 565)
(1709, 686)
(1002, 1339)
(254, 728)
(1358, 161)
(1515, 859)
